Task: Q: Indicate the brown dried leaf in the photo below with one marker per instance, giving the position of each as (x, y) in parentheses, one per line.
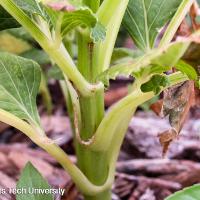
(166, 138)
(177, 103)
(157, 107)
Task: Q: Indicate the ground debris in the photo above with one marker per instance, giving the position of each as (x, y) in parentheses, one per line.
(14, 157)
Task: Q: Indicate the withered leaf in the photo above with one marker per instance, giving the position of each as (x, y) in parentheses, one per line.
(157, 107)
(166, 138)
(177, 103)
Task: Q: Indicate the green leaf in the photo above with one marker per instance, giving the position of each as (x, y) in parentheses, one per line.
(22, 34)
(31, 7)
(37, 55)
(156, 84)
(160, 58)
(31, 178)
(19, 85)
(76, 17)
(83, 17)
(6, 20)
(187, 69)
(120, 54)
(98, 33)
(55, 73)
(172, 55)
(93, 4)
(144, 18)
(190, 193)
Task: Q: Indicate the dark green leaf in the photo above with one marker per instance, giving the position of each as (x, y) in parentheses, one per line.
(31, 178)
(19, 85)
(21, 33)
(156, 83)
(144, 18)
(37, 55)
(187, 69)
(31, 7)
(191, 193)
(6, 20)
(55, 73)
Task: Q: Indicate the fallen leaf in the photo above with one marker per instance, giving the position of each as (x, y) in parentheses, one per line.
(166, 138)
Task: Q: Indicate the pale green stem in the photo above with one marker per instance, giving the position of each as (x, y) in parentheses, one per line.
(175, 22)
(106, 10)
(103, 50)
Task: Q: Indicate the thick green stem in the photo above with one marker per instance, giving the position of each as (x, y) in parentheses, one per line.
(93, 164)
